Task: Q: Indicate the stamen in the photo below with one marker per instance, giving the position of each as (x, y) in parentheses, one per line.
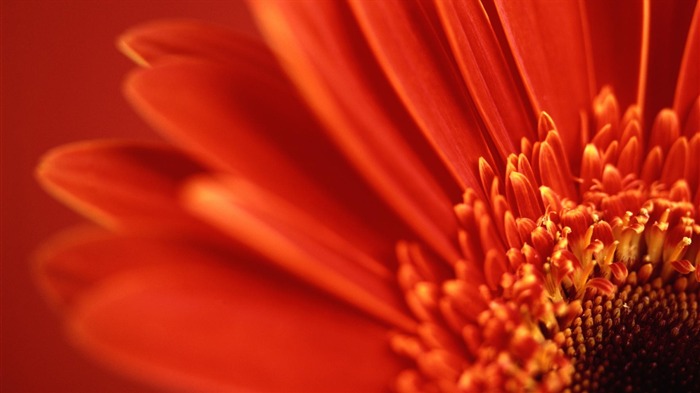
(563, 283)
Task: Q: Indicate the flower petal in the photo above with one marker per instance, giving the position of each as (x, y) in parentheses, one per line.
(80, 258)
(669, 31)
(249, 124)
(325, 57)
(688, 86)
(123, 185)
(300, 243)
(485, 70)
(616, 39)
(417, 61)
(551, 50)
(194, 320)
(216, 115)
(165, 41)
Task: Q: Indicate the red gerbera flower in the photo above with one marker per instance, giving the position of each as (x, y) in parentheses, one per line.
(303, 230)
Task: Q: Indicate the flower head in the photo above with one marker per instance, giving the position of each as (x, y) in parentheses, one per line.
(304, 232)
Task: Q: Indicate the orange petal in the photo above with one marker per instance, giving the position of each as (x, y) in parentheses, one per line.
(219, 117)
(692, 165)
(78, 259)
(683, 266)
(616, 33)
(675, 166)
(229, 120)
(602, 285)
(630, 157)
(552, 52)
(665, 131)
(299, 243)
(644, 58)
(65, 265)
(418, 63)
(193, 321)
(653, 162)
(688, 85)
(164, 41)
(485, 70)
(261, 100)
(323, 55)
(669, 32)
(123, 185)
(553, 166)
(525, 197)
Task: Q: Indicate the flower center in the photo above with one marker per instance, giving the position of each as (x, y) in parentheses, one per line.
(585, 282)
(644, 338)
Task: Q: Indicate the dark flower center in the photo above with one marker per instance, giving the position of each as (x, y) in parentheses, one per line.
(644, 338)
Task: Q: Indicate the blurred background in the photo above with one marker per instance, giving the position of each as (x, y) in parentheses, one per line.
(61, 82)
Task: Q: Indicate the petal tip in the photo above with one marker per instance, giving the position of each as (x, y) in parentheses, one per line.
(125, 45)
(50, 163)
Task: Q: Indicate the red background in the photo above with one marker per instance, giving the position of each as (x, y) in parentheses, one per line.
(61, 82)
